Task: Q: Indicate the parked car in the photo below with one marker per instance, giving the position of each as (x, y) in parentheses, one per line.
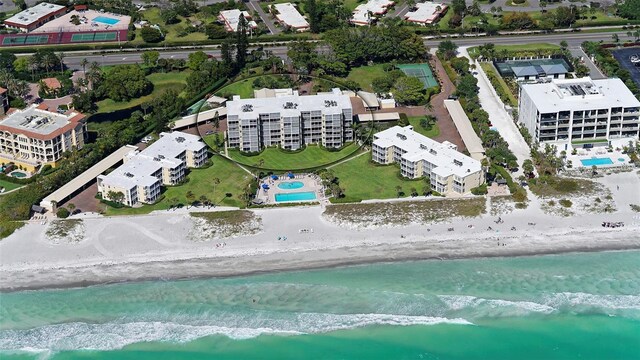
(209, 132)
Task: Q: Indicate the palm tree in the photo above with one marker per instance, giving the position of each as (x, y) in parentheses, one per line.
(94, 74)
(204, 200)
(191, 197)
(84, 63)
(71, 207)
(61, 57)
(215, 182)
(34, 64)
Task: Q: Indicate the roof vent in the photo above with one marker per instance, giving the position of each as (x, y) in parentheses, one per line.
(247, 108)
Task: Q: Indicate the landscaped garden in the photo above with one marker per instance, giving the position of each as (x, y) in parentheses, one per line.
(431, 130)
(278, 159)
(8, 186)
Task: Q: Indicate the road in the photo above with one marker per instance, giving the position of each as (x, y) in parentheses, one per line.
(574, 39)
(253, 4)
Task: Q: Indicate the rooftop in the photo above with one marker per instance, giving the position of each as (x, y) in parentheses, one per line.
(38, 120)
(289, 105)
(288, 14)
(533, 67)
(164, 153)
(377, 7)
(418, 147)
(426, 12)
(34, 13)
(232, 18)
(52, 83)
(579, 94)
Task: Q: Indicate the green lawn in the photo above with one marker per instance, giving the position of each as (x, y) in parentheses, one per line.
(364, 75)
(361, 179)
(232, 180)
(7, 185)
(152, 15)
(276, 159)
(244, 88)
(415, 122)
(161, 82)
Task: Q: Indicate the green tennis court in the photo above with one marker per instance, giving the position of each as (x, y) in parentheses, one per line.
(82, 37)
(420, 71)
(14, 40)
(37, 39)
(106, 36)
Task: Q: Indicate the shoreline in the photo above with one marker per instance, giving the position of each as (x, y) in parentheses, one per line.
(327, 264)
(205, 267)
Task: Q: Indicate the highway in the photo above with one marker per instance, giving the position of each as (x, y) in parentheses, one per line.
(574, 39)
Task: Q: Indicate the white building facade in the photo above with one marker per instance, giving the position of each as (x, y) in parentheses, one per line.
(450, 171)
(164, 162)
(579, 110)
(289, 121)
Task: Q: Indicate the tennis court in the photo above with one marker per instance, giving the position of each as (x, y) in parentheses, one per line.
(82, 37)
(106, 36)
(37, 39)
(420, 71)
(14, 40)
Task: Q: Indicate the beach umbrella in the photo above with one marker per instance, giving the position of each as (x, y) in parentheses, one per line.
(274, 177)
(265, 186)
(291, 176)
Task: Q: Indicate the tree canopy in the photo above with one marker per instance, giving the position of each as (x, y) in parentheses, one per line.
(126, 82)
(630, 9)
(408, 90)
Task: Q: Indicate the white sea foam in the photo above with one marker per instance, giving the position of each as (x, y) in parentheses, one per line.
(109, 336)
(462, 302)
(616, 302)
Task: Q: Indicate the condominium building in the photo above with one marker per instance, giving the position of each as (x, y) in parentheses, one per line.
(579, 110)
(35, 136)
(450, 171)
(143, 173)
(289, 121)
(4, 101)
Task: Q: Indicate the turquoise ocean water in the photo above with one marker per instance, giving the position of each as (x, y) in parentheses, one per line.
(584, 306)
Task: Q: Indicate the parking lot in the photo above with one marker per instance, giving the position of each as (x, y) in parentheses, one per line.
(622, 55)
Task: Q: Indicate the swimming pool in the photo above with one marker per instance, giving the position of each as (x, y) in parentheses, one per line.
(18, 174)
(296, 196)
(596, 161)
(291, 185)
(106, 20)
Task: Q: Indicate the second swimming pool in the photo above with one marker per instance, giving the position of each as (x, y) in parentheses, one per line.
(296, 196)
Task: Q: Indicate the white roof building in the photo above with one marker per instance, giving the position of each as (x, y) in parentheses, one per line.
(35, 16)
(375, 7)
(288, 15)
(163, 162)
(418, 155)
(231, 19)
(426, 12)
(579, 109)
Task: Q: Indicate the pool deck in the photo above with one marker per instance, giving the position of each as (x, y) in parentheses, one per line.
(64, 22)
(598, 153)
(311, 183)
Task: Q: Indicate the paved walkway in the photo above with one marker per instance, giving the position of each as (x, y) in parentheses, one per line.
(499, 117)
(448, 130)
(266, 18)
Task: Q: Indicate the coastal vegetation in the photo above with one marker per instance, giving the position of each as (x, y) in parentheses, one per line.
(224, 224)
(403, 213)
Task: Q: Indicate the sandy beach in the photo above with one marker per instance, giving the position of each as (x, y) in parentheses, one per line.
(171, 245)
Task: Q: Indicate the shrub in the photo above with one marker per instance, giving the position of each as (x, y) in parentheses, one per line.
(566, 203)
(480, 190)
(150, 35)
(62, 213)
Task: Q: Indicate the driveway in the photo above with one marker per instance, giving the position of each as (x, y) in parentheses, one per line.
(448, 130)
(594, 72)
(266, 18)
(499, 117)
